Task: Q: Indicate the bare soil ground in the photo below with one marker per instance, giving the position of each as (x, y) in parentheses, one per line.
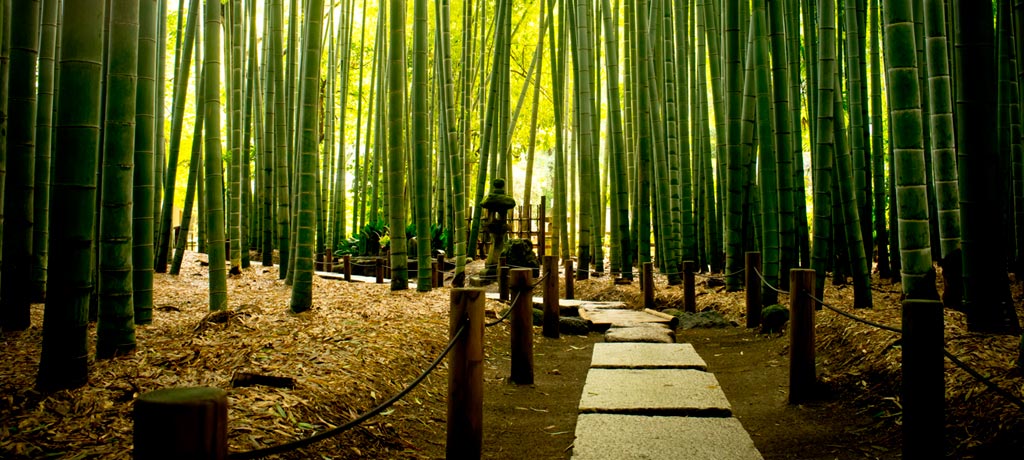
(362, 343)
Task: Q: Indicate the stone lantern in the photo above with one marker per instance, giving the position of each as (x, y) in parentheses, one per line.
(497, 203)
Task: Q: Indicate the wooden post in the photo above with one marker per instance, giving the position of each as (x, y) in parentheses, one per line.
(648, 277)
(379, 269)
(347, 263)
(542, 227)
(801, 335)
(689, 290)
(923, 387)
(177, 423)
(570, 290)
(433, 274)
(528, 220)
(318, 264)
(522, 327)
(503, 274)
(328, 262)
(440, 268)
(753, 288)
(551, 307)
(466, 375)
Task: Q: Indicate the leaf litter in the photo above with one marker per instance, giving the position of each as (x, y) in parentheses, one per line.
(359, 344)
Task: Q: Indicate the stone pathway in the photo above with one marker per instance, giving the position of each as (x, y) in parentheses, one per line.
(656, 401)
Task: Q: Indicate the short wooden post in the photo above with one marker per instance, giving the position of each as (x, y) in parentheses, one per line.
(175, 423)
(541, 227)
(570, 290)
(923, 390)
(689, 289)
(522, 327)
(551, 307)
(648, 284)
(503, 274)
(801, 335)
(433, 273)
(753, 288)
(440, 270)
(466, 375)
(329, 263)
(347, 263)
(379, 269)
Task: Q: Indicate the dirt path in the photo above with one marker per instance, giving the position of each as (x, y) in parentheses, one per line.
(753, 371)
(538, 421)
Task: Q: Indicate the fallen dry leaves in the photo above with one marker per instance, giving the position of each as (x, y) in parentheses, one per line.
(359, 345)
(362, 343)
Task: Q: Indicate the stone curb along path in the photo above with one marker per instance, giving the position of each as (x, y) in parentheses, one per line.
(655, 401)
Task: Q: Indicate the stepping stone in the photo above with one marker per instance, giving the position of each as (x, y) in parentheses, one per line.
(603, 318)
(647, 334)
(682, 392)
(646, 356)
(608, 436)
(601, 305)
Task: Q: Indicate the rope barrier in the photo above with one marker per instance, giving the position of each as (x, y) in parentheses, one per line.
(505, 315)
(985, 380)
(855, 318)
(766, 283)
(508, 312)
(957, 362)
(290, 446)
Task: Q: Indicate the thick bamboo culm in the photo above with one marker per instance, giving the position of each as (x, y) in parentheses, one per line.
(522, 327)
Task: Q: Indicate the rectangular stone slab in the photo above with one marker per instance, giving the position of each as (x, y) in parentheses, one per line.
(603, 318)
(681, 392)
(618, 437)
(646, 356)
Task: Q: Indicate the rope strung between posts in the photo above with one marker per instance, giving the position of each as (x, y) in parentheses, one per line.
(985, 380)
(855, 318)
(290, 446)
(957, 362)
(505, 315)
(766, 283)
(508, 312)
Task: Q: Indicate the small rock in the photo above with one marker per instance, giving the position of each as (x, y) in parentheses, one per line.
(673, 311)
(573, 325)
(773, 318)
(715, 282)
(704, 319)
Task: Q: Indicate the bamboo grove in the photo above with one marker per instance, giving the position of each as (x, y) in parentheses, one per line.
(840, 135)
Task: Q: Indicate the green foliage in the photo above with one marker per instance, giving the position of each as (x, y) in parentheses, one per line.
(368, 242)
(519, 253)
(439, 238)
(773, 318)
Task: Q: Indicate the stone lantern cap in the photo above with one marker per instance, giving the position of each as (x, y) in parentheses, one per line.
(498, 200)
